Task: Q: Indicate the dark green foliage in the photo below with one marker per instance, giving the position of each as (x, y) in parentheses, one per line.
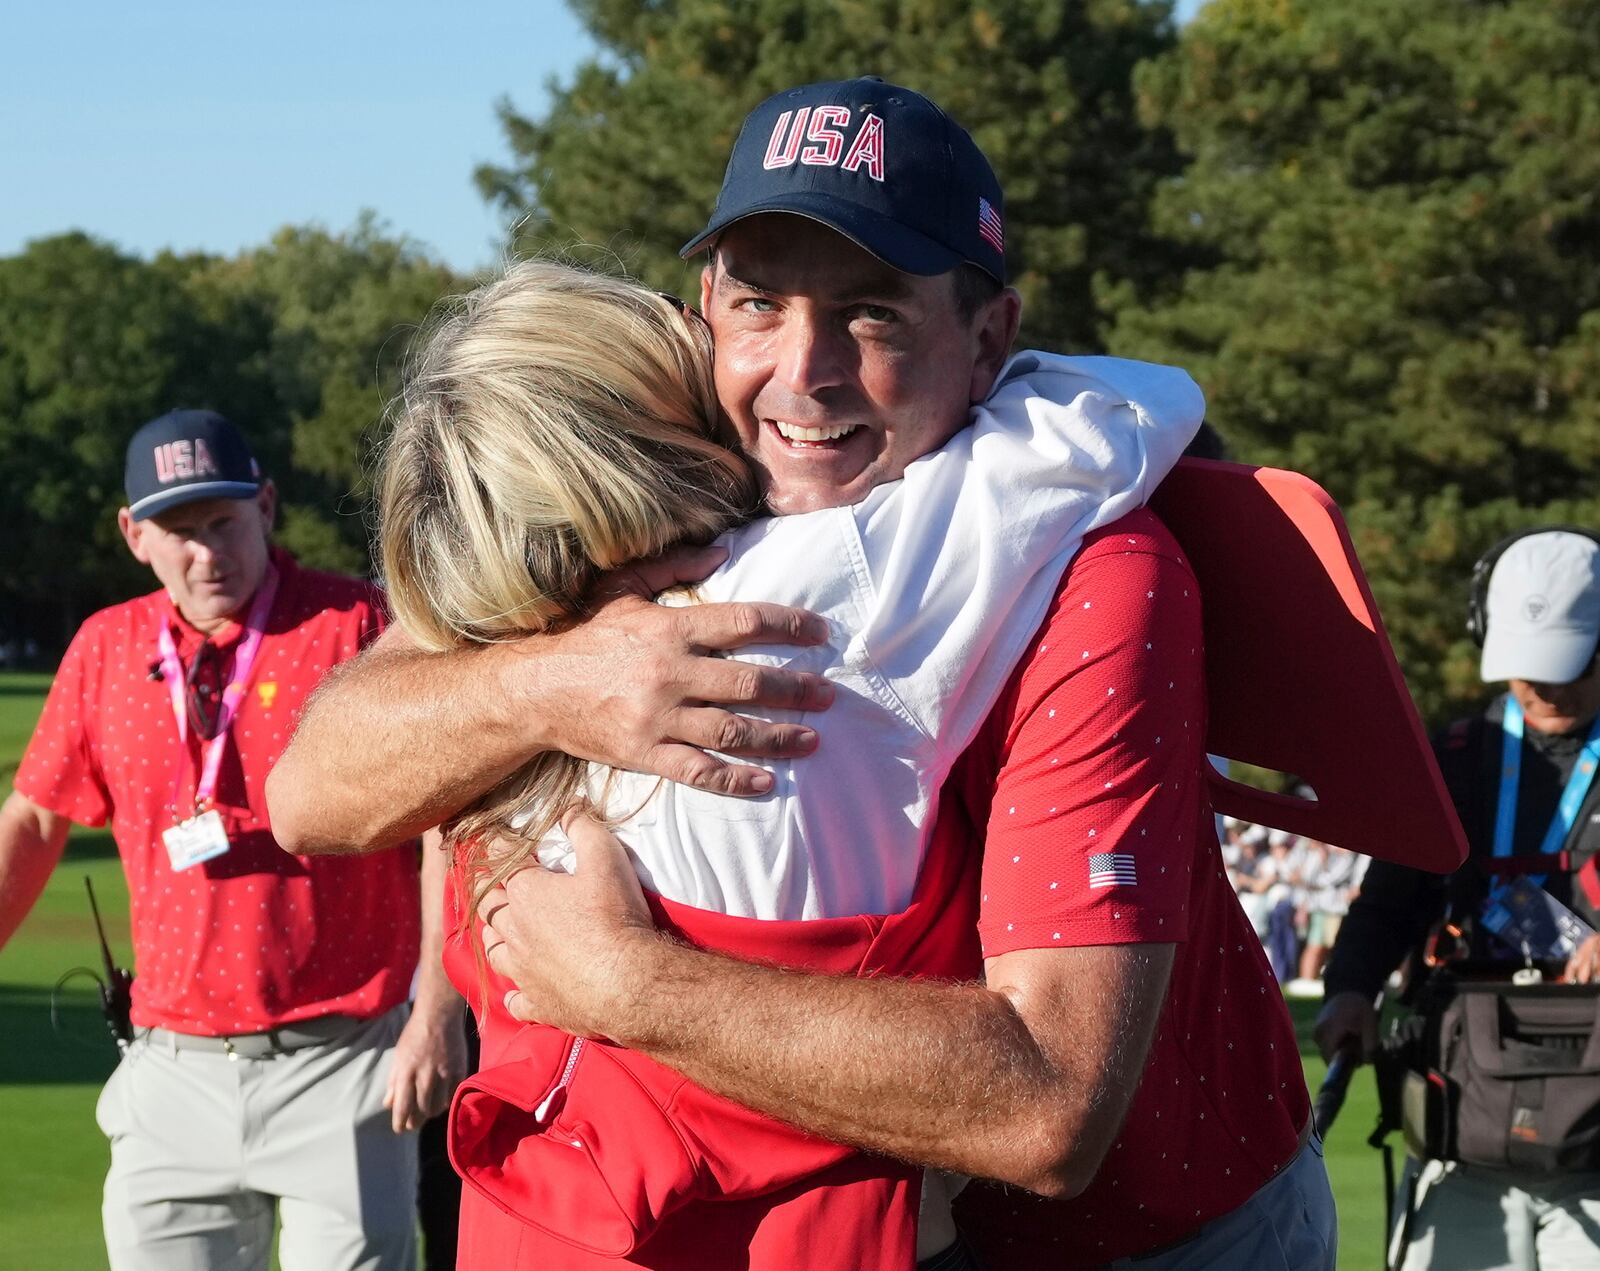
(92, 343)
(299, 342)
(1398, 204)
(628, 159)
(339, 312)
(1369, 229)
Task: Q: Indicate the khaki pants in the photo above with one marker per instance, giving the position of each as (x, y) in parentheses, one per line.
(204, 1149)
(1470, 1218)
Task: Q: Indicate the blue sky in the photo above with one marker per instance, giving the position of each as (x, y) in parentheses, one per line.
(206, 126)
(189, 125)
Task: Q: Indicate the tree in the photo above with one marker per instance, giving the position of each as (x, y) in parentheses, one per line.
(299, 342)
(92, 343)
(628, 159)
(1402, 290)
(334, 318)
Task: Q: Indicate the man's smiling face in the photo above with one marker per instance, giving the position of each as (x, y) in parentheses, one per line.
(836, 370)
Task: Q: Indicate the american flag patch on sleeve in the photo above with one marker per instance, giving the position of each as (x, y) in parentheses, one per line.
(1112, 869)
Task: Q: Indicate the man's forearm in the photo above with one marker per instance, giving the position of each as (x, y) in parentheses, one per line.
(396, 742)
(950, 1075)
(399, 740)
(31, 842)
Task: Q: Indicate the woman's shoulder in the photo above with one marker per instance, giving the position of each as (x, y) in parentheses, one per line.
(805, 559)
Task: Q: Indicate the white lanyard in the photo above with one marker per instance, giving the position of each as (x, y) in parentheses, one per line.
(243, 663)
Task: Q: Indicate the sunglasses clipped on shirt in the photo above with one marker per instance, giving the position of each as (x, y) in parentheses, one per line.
(203, 685)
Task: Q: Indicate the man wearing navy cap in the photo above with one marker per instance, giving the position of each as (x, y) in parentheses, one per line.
(272, 1070)
(855, 287)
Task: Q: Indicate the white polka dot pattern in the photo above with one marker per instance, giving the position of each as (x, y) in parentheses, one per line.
(1095, 754)
(256, 937)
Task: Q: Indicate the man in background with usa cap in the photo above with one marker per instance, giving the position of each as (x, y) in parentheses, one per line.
(1139, 1100)
(271, 1067)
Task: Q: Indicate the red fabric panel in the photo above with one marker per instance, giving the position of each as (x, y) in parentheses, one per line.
(1303, 679)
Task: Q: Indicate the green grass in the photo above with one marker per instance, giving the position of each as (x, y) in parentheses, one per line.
(50, 1073)
(54, 1157)
(1355, 1169)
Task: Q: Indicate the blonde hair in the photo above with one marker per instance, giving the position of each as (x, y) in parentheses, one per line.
(556, 423)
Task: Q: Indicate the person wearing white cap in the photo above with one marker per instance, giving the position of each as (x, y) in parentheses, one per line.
(1521, 776)
(1542, 619)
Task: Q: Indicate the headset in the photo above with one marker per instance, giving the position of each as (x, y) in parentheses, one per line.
(1478, 595)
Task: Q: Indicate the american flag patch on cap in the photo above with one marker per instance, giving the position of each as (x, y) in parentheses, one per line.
(989, 225)
(1112, 869)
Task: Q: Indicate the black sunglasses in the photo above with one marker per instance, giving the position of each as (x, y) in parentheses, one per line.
(682, 306)
(203, 691)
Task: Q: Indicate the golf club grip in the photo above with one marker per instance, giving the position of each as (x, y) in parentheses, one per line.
(1330, 1094)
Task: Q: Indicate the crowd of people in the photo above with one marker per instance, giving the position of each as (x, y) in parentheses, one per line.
(1296, 892)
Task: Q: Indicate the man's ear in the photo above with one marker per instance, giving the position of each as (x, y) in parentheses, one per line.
(267, 504)
(994, 330)
(133, 535)
(708, 278)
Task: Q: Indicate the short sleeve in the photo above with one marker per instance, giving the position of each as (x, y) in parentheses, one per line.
(966, 551)
(1091, 830)
(58, 770)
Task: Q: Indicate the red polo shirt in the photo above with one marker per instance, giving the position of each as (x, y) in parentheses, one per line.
(256, 937)
(1089, 779)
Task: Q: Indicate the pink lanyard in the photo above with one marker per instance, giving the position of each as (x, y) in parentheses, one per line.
(243, 663)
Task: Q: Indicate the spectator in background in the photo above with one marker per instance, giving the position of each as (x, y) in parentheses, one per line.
(275, 1069)
(1249, 881)
(1333, 879)
(1278, 876)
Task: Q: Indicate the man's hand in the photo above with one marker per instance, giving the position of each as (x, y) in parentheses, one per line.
(399, 740)
(1346, 1018)
(1025, 1080)
(430, 1061)
(640, 689)
(567, 941)
(1583, 967)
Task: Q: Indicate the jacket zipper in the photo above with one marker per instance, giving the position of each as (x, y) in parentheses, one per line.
(552, 1103)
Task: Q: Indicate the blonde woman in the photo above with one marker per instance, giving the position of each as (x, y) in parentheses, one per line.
(559, 423)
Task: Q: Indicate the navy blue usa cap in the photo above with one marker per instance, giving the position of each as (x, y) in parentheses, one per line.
(881, 164)
(186, 455)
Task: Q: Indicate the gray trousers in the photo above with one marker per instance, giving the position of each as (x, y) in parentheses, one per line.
(1470, 1218)
(1289, 1225)
(205, 1149)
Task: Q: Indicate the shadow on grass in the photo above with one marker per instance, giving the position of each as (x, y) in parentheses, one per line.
(90, 845)
(1303, 1011)
(37, 1052)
